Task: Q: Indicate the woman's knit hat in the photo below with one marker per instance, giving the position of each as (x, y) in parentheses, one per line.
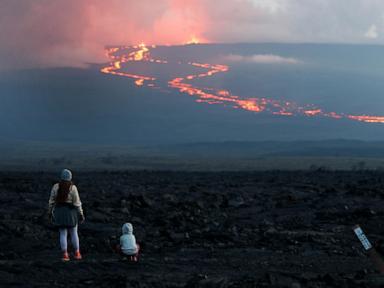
(66, 175)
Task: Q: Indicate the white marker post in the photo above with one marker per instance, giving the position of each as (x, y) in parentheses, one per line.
(363, 239)
(375, 257)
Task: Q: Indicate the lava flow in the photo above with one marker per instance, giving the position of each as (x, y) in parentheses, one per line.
(121, 56)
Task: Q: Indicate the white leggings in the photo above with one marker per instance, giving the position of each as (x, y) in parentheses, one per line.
(74, 238)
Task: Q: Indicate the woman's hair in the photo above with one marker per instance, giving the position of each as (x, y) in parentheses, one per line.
(64, 189)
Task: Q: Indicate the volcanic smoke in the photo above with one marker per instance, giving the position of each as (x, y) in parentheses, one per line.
(121, 56)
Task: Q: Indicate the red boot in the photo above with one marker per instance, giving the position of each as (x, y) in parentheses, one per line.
(65, 257)
(78, 255)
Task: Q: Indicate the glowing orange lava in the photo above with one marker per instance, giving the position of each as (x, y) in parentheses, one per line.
(369, 119)
(121, 56)
(140, 53)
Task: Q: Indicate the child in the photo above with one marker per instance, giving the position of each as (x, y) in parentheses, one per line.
(128, 245)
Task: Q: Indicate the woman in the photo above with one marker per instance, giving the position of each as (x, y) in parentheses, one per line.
(64, 209)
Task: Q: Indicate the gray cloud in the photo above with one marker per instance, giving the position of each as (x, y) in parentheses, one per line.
(342, 21)
(372, 32)
(262, 59)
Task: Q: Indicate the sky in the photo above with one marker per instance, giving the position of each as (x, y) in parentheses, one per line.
(72, 33)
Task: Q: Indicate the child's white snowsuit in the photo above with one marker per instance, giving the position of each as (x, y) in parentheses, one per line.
(128, 241)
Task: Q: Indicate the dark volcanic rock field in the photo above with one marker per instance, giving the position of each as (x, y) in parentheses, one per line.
(240, 229)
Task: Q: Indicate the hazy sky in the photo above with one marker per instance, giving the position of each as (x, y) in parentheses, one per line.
(41, 33)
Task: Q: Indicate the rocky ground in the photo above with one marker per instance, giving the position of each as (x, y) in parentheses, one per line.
(243, 229)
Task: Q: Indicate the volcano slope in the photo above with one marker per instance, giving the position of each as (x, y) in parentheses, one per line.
(232, 229)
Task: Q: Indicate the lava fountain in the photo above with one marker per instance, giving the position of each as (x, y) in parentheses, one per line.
(120, 58)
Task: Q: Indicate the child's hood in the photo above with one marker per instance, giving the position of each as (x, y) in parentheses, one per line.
(127, 228)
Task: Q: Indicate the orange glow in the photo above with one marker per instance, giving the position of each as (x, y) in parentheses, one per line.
(193, 40)
(117, 64)
(121, 56)
(139, 82)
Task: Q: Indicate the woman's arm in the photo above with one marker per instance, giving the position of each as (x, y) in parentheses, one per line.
(52, 198)
(76, 200)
